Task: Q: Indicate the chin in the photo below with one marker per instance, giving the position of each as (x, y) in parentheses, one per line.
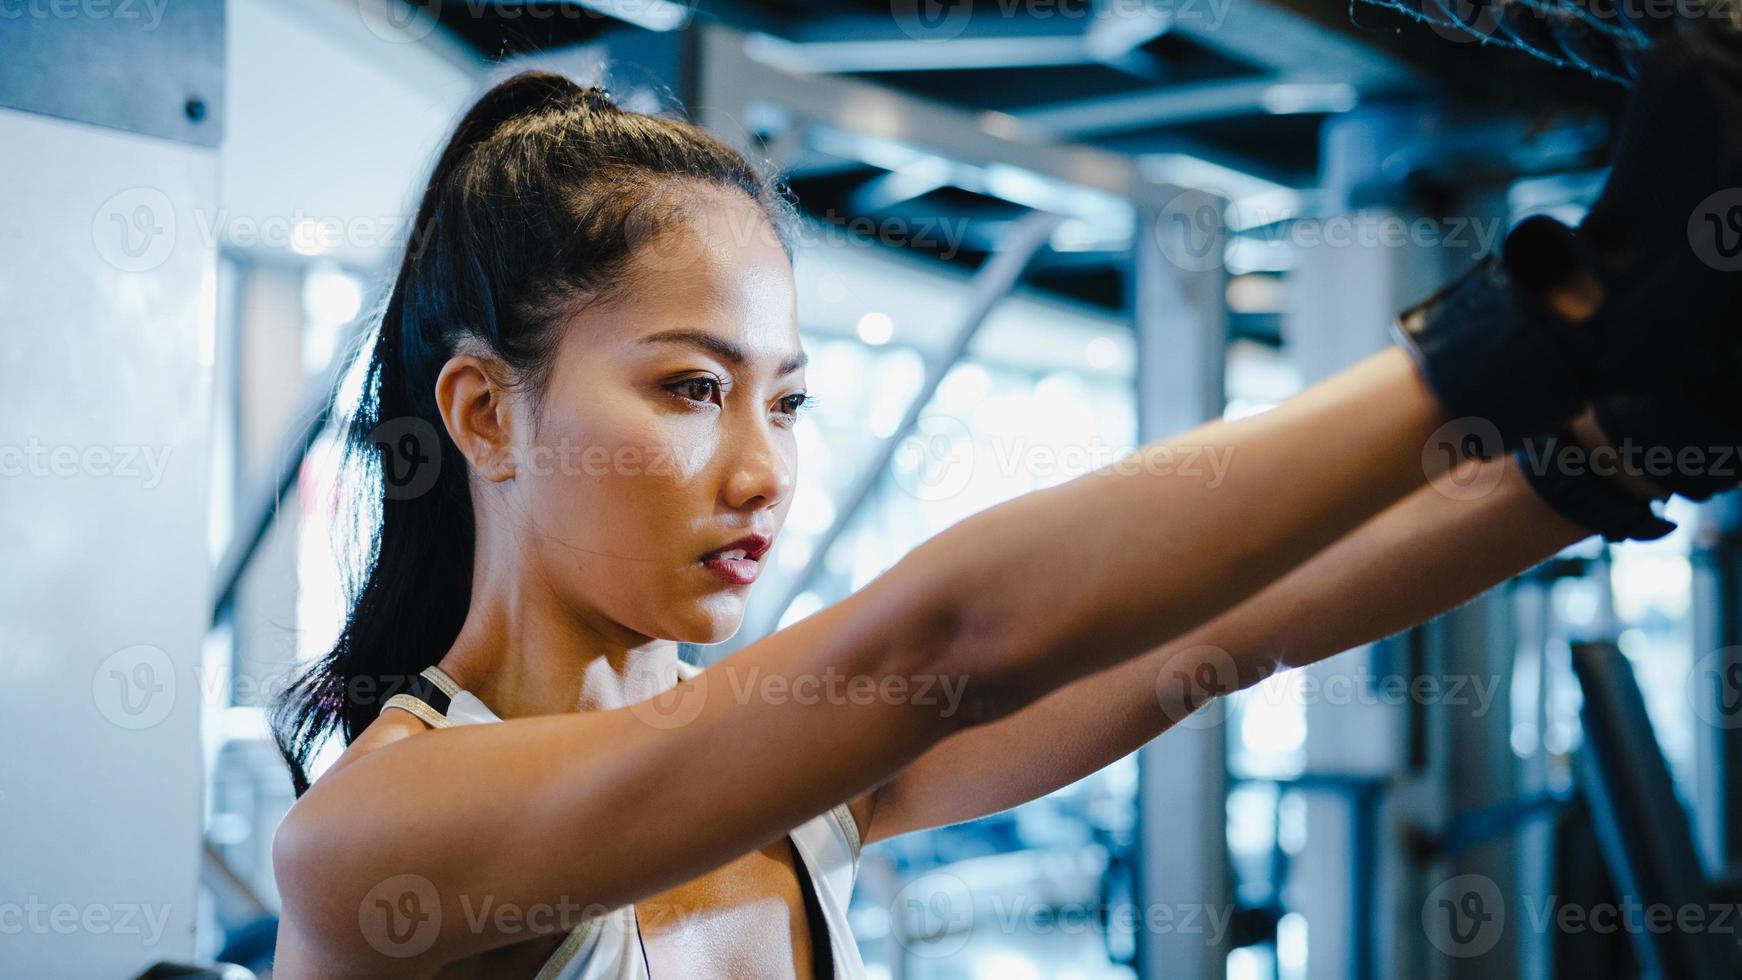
(711, 619)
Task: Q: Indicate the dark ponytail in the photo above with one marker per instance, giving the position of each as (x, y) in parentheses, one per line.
(534, 207)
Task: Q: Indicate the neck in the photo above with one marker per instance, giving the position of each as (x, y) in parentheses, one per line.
(522, 652)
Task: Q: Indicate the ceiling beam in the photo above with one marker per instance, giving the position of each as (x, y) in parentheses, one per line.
(732, 81)
(851, 57)
(1271, 35)
(848, 45)
(1195, 102)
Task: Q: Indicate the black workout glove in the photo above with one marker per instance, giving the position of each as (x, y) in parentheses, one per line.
(1578, 484)
(1669, 404)
(1679, 143)
(1667, 236)
(1673, 379)
(1494, 351)
(1665, 241)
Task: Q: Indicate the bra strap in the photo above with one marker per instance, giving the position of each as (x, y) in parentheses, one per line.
(427, 696)
(822, 944)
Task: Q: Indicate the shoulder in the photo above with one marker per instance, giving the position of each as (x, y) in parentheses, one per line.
(391, 726)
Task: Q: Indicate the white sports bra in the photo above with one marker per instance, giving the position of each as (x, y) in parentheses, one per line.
(609, 947)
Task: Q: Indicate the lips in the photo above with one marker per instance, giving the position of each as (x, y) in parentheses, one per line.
(752, 547)
(739, 562)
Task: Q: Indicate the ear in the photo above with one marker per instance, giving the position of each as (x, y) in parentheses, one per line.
(476, 411)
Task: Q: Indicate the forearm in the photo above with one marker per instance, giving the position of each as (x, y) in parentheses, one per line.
(1424, 555)
(1058, 584)
(1427, 554)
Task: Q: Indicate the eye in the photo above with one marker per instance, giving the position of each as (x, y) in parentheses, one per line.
(792, 405)
(690, 387)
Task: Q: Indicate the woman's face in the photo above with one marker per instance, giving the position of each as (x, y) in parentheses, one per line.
(666, 431)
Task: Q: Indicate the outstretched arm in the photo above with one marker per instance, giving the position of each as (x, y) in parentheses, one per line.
(1426, 554)
(1013, 602)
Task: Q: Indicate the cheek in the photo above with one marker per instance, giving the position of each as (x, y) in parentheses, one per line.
(619, 482)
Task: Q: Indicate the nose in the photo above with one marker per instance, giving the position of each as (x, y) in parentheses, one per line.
(759, 472)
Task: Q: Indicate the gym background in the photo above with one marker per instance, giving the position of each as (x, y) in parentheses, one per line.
(1038, 233)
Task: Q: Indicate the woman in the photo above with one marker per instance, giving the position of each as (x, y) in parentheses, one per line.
(584, 388)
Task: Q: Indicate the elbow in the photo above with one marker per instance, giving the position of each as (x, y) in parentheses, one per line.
(312, 874)
(321, 906)
(940, 632)
(951, 646)
(990, 674)
(292, 851)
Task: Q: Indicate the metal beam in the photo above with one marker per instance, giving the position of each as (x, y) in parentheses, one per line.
(1717, 680)
(994, 281)
(156, 70)
(910, 55)
(1269, 35)
(1340, 300)
(890, 189)
(733, 81)
(1182, 845)
(1196, 102)
(869, 45)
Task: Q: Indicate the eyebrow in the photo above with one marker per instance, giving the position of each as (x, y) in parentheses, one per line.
(719, 345)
